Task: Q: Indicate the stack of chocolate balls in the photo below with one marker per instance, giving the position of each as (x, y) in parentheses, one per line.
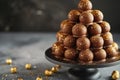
(85, 36)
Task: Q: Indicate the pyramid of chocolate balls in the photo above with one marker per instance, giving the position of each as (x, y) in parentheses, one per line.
(85, 36)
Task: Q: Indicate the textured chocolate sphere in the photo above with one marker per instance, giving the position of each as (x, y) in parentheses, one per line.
(94, 29)
(86, 18)
(79, 30)
(85, 5)
(69, 41)
(96, 41)
(61, 36)
(108, 38)
(86, 55)
(70, 54)
(115, 45)
(111, 52)
(105, 26)
(66, 21)
(99, 54)
(58, 49)
(74, 15)
(98, 15)
(67, 28)
(83, 43)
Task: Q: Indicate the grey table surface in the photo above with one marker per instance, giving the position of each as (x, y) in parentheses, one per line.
(30, 48)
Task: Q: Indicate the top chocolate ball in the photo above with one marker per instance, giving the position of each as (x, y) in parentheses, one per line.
(85, 5)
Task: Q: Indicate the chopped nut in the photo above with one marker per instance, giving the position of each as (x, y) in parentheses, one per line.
(20, 78)
(13, 70)
(39, 78)
(58, 66)
(28, 66)
(9, 61)
(48, 73)
(54, 69)
(115, 74)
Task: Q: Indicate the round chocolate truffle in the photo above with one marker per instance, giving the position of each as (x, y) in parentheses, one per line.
(99, 54)
(66, 21)
(98, 15)
(69, 41)
(74, 15)
(67, 28)
(85, 5)
(94, 29)
(108, 38)
(86, 18)
(82, 43)
(96, 41)
(111, 52)
(58, 49)
(115, 45)
(70, 54)
(61, 36)
(79, 30)
(105, 26)
(86, 55)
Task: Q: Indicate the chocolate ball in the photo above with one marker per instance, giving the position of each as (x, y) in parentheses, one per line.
(94, 29)
(61, 36)
(98, 15)
(67, 27)
(85, 5)
(66, 21)
(96, 41)
(99, 54)
(70, 54)
(69, 41)
(86, 55)
(86, 18)
(58, 49)
(115, 45)
(79, 30)
(74, 15)
(105, 26)
(83, 43)
(108, 38)
(111, 52)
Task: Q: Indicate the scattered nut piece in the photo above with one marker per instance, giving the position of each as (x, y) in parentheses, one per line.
(48, 73)
(58, 66)
(115, 74)
(54, 69)
(39, 78)
(28, 66)
(13, 70)
(9, 61)
(20, 78)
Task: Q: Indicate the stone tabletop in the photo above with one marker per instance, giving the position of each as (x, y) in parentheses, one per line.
(25, 48)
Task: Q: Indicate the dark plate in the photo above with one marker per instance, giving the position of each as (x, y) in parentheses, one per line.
(95, 64)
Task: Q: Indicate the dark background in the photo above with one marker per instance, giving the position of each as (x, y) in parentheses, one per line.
(46, 15)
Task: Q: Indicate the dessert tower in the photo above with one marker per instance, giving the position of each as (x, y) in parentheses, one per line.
(84, 36)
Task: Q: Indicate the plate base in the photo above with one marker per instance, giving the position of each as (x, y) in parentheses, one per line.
(83, 74)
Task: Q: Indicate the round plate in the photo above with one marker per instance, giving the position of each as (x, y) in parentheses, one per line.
(95, 64)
